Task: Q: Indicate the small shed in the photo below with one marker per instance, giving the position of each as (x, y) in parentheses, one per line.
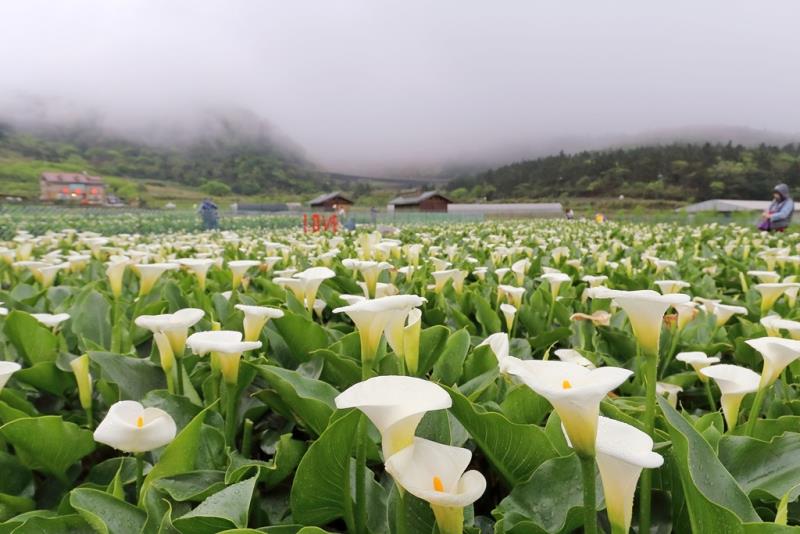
(331, 202)
(726, 206)
(429, 201)
(72, 187)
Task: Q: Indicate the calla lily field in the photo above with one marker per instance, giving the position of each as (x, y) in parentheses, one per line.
(539, 376)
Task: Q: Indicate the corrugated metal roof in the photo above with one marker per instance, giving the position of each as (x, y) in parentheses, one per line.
(727, 205)
(329, 196)
(409, 201)
(70, 178)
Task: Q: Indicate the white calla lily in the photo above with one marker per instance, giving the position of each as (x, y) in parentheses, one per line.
(698, 360)
(645, 310)
(778, 353)
(723, 312)
(622, 452)
(6, 370)
(436, 473)
(130, 427)
(115, 270)
(371, 318)
(499, 343)
(774, 324)
(671, 286)
(199, 267)
(573, 356)
(312, 278)
(149, 274)
(227, 346)
(771, 292)
(255, 317)
(734, 383)
(239, 268)
(395, 405)
(670, 391)
(51, 320)
(509, 311)
(574, 391)
(174, 325)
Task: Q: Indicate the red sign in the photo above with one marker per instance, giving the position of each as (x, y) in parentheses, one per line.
(320, 224)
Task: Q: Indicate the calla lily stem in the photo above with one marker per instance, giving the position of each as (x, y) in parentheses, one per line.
(247, 438)
(589, 497)
(361, 470)
(754, 411)
(139, 473)
(712, 404)
(400, 512)
(116, 328)
(646, 484)
(179, 373)
(230, 414)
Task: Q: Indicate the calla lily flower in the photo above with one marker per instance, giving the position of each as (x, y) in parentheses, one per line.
(175, 326)
(150, 273)
(598, 318)
(520, 269)
(670, 391)
(514, 294)
(708, 304)
(295, 285)
(228, 347)
(130, 427)
(47, 275)
(442, 277)
(723, 312)
(778, 353)
(80, 367)
(501, 273)
(671, 286)
(698, 360)
(765, 277)
(319, 307)
(686, 312)
(6, 370)
(509, 312)
(574, 391)
(771, 292)
(555, 280)
(774, 324)
(645, 310)
(312, 278)
(255, 317)
(734, 383)
(573, 356)
(403, 335)
(395, 405)
(594, 281)
(622, 452)
(199, 267)
(370, 271)
(371, 318)
(499, 344)
(49, 320)
(115, 270)
(239, 269)
(436, 473)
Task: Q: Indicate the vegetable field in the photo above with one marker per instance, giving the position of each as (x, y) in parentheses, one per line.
(486, 377)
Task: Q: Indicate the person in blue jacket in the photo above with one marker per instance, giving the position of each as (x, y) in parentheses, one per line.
(779, 214)
(209, 215)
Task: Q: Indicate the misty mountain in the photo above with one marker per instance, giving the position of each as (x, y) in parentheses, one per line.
(676, 171)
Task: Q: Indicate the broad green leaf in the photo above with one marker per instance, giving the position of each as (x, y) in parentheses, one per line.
(716, 502)
(302, 335)
(550, 501)
(223, 510)
(46, 376)
(311, 401)
(135, 377)
(48, 443)
(320, 491)
(764, 470)
(432, 342)
(91, 318)
(288, 453)
(514, 450)
(450, 364)
(34, 341)
(486, 316)
(180, 455)
(192, 485)
(105, 513)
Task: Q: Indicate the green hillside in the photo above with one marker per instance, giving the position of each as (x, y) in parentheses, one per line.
(680, 172)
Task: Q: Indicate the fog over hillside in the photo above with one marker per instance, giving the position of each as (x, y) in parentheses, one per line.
(409, 87)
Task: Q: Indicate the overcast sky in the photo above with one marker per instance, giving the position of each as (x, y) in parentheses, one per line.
(365, 83)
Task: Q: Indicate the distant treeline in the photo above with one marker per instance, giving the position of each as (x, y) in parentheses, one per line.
(689, 172)
(241, 166)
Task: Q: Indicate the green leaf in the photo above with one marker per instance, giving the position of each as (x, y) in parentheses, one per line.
(46, 376)
(34, 341)
(765, 471)
(66, 524)
(223, 510)
(91, 318)
(432, 342)
(450, 364)
(192, 485)
(715, 501)
(320, 491)
(302, 335)
(134, 376)
(105, 513)
(48, 443)
(311, 401)
(486, 316)
(288, 453)
(180, 455)
(514, 450)
(550, 501)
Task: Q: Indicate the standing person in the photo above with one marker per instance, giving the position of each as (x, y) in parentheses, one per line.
(209, 214)
(779, 214)
(570, 214)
